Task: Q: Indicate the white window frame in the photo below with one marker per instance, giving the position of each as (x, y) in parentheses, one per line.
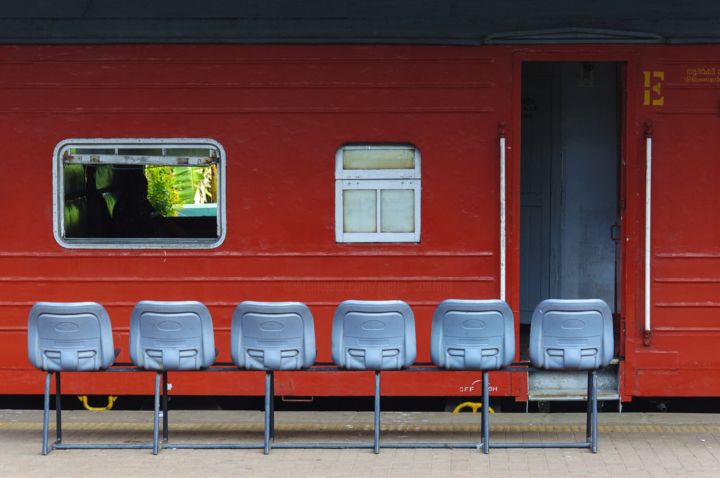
(379, 180)
(129, 143)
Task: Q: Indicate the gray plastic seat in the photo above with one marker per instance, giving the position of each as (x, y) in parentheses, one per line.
(472, 335)
(171, 336)
(373, 335)
(272, 336)
(571, 335)
(70, 336)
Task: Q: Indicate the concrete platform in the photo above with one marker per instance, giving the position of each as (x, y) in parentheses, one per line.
(631, 444)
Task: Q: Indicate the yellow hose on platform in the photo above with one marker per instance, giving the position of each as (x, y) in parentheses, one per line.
(475, 406)
(111, 401)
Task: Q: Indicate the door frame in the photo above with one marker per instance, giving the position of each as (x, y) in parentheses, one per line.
(631, 212)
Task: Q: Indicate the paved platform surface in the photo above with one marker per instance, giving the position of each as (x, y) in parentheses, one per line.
(631, 444)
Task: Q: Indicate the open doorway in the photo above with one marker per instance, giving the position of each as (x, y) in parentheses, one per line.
(569, 219)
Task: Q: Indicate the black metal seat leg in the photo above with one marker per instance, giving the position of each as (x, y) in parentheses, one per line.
(485, 417)
(58, 409)
(46, 414)
(268, 411)
(376, 427)
(166, 419)
(272, 407)
(588, 426)
(594, 430)
(156, 416)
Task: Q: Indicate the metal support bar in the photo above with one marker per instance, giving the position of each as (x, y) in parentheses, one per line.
(272, 407)
(127, 159)
(102, 446)
(214, 446)
(166, 431)
(594, 434)
(46, 414)
(268, 411)
(376, 425)
(485, 417)
(324, 446)
(588, 409)
(58, 409)
(156, 415)
(551, 444)
(434, 445)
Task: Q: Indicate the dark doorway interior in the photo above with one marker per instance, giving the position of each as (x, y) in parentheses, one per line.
(569, 183)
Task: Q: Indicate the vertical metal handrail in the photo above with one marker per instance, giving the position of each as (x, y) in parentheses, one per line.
(648, 208)
(502, 213)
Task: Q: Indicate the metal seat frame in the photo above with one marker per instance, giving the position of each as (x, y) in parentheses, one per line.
(485, 443)
(376, 445)
(269, 418)
(591, 425)
(58, 444)
(161, 404)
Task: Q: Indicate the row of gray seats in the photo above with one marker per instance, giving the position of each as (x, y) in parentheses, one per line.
(366, 335)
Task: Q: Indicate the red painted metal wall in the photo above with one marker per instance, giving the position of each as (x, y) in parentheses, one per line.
(281, 113)
(684, 112)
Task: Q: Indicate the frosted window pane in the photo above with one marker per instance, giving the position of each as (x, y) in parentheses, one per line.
(397, 210)
(390, 158)
(360, 210)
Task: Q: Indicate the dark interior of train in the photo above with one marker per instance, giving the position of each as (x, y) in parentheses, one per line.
(569, 217)
(139, 201)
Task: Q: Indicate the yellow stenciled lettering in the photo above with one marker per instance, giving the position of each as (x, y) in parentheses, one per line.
(652, 83)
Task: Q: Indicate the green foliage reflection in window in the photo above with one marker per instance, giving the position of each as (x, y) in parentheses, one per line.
(170, 188)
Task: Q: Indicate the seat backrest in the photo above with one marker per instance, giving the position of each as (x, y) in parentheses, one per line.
(373, 335)
(70, 336)
(272, 336)
(571, 335)
(171, 335)
(472, 335)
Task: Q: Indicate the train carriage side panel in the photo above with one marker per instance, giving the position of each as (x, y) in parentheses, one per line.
(280, 113)
(682, 102)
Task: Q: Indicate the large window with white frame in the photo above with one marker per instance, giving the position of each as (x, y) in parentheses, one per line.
(377, 193)
(139, 193)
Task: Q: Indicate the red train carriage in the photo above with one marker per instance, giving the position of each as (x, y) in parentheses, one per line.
(368, 172)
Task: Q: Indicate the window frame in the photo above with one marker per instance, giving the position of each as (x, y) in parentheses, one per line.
(135, 243)
(379, 180)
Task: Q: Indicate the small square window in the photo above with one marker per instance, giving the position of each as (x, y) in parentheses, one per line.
(377, 193)
(139, 193)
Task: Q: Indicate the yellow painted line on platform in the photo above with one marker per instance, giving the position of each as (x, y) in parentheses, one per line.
(349, 427)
